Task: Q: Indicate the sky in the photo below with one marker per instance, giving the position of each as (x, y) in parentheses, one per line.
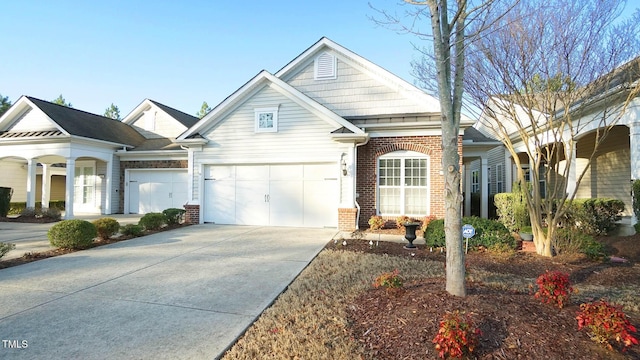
(179, 53)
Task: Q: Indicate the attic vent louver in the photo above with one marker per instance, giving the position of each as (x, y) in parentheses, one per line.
(325, 67)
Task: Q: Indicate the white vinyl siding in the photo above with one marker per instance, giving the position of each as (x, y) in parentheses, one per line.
(33, 120)
(403, 184)
(302, 137)
(354, 93)
(155, 123)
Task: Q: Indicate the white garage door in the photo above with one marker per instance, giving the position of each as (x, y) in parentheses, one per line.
(156, 190)
(303, 195)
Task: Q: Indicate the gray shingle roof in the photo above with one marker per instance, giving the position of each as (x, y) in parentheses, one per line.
(476, 136)
(184, 118)
(88, 125)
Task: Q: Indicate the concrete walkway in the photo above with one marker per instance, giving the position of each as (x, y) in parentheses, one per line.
(180, 294)
(33, 237)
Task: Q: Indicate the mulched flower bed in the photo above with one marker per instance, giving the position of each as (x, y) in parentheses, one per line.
(514, 324)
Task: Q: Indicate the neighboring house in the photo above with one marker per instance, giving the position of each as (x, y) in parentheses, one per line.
(91, 155)
(329, 140)
(615, 165)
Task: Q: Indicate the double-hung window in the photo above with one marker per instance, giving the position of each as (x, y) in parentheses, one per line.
(403, 184)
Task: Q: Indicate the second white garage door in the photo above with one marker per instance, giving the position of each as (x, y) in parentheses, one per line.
(302, 195)
(156, 190)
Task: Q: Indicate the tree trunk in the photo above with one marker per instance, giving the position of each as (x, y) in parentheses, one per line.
(455, 271)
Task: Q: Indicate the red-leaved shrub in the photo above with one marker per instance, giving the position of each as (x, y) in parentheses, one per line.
(554, 287)
(456, 336)
(605, 323)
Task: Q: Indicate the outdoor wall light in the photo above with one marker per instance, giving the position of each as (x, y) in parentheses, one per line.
(344, 167)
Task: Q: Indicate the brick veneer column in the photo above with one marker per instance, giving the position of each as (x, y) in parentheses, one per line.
(347, 219)
(192, 216)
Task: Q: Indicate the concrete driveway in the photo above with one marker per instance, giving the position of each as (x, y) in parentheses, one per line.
(186, 293)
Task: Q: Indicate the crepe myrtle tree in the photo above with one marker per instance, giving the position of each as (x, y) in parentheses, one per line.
(547, 73)
(446, 28)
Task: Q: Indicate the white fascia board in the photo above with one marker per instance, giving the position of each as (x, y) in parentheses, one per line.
(100, 143)
(152, 155)
(226, 105)
(357, 138)
(311, 105)
(134, 114)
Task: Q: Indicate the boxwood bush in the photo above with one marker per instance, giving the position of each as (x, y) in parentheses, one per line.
(132, 229)
(72, 234)
(152, 221)
(173, 216)
(593, 216)
(106, 227)
(488, 233)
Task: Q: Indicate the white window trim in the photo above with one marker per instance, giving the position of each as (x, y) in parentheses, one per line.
(499, 178)
(334, 67)
(475, 181)
(266, 110)
(404, 154)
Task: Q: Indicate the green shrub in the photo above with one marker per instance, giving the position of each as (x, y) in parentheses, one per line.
(106, 227)
(504, 208)
(568, 241)
(173, 216)
(489, 233)
(5, 248)
(17, 207)
(51, 213)
(593, 216)
(72, 234)
(635, 187)
(152, 221)
(29, 212)
(132, 229)
(434, 234)
(5, 200)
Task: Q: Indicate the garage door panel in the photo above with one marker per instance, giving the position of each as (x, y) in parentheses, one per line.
(221, 201)
(285, 172)
(258, 172)
(285, 203)
(252, 207)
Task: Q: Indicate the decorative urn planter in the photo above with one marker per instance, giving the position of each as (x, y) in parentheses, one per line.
(526, 234)
(410, 233)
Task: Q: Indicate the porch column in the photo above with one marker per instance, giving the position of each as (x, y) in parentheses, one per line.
(46, 185)
(634, 137)
(572, 162)
(190, 168)
(108, 190)
(31, 183)
(484, 188)
(467, 190)
(508, 173)
(69, 188)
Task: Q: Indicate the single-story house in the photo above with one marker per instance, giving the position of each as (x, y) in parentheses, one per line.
(327, 141)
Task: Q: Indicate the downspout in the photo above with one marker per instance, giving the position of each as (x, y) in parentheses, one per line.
(355, 178)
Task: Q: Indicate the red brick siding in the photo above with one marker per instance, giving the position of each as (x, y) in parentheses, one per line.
(154, 164)
(367, 170)
(192, 216)
(347, 219)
